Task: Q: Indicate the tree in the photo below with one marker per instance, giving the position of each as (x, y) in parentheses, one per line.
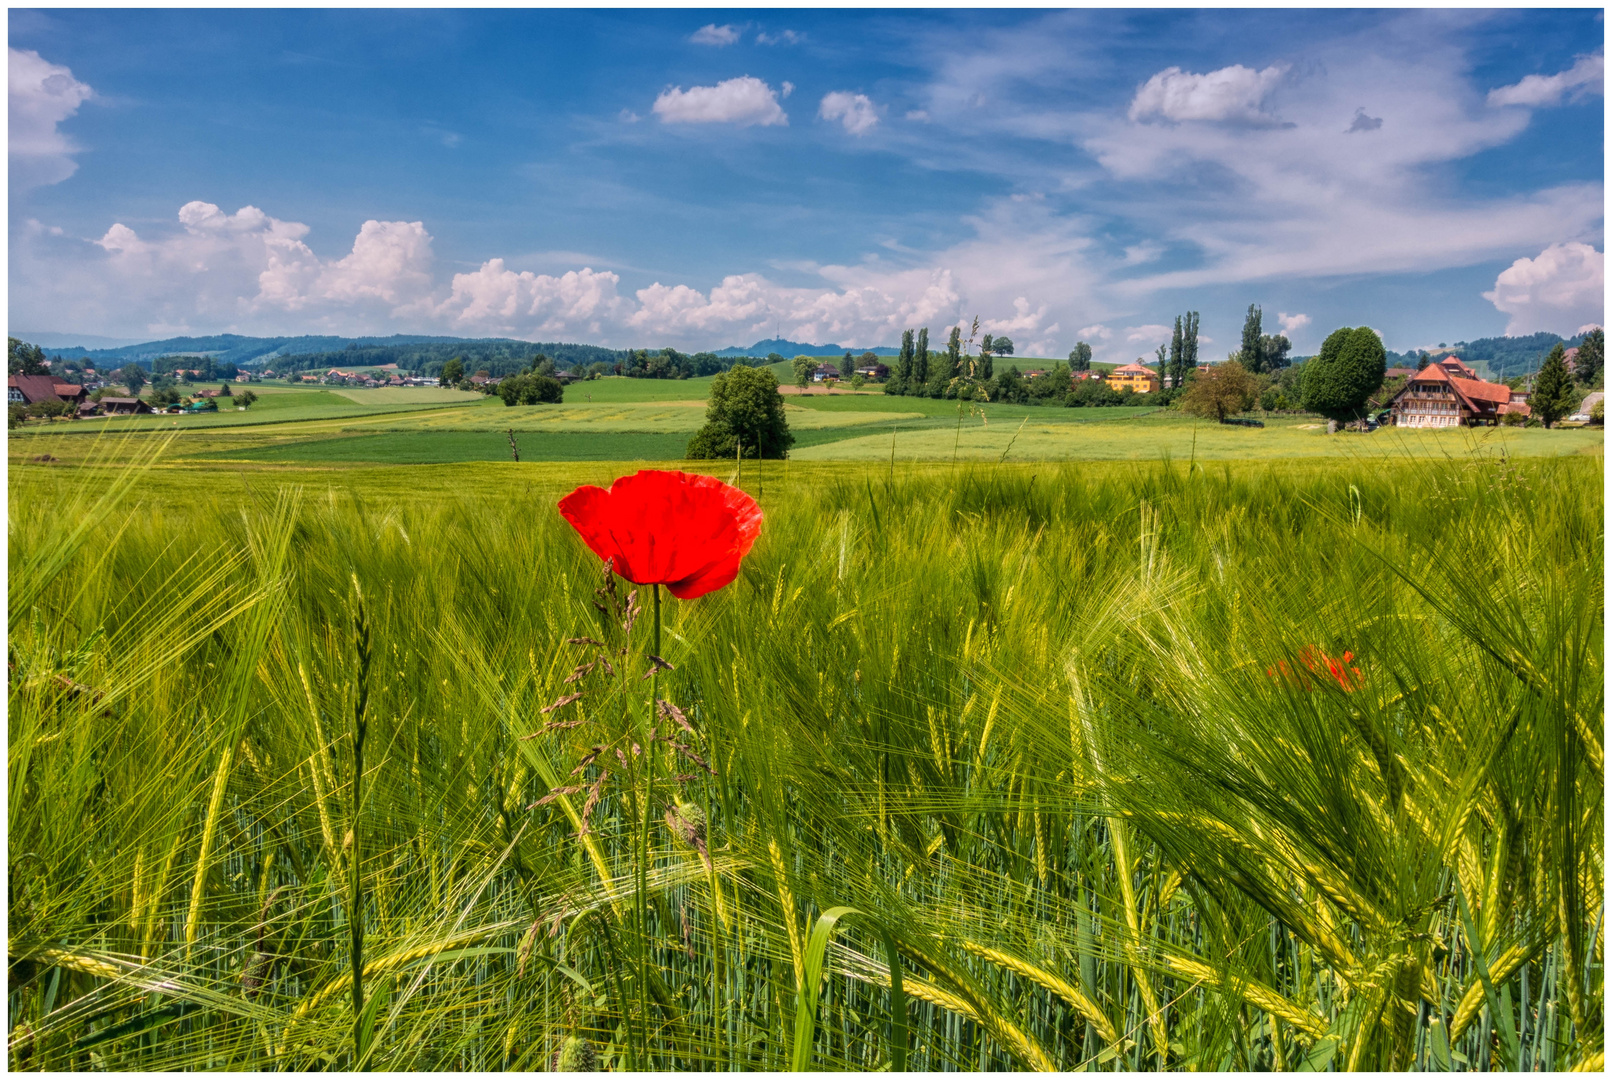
(531, 389)
(245, 400)
(803, 366)
(1004, 346)
(24, 359)
(987, 345)
(1171, 372)
(1553, 393)
(1189, 345)
(133, 376)
(1253, 359)
(904, 362)
(1340, 379)
(225, 391)
(1273, 350)
(745, 408)
(1223, 390)
(946, 366)
(920, 364)
(1591, 357)
(847, 365)
(453, 371)
(1080, 357)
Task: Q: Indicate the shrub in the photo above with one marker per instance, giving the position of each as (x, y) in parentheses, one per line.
(1223, 390)
(51, 408)
(531, 390)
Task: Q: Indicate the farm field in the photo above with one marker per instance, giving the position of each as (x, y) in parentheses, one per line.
(652, 420)
(1120, 764)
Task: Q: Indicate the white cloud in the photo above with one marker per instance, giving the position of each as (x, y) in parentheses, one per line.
(1097, 330)
(627, 116)
(787, 88)
(1292, 324)
(1231, 93)
(712, 34)
(1579, 81)
(42, 95)
(785, 37)
(745, 101)
(496, 300)
(855, 111)
(1560, 289)
(1144, 252)
(1023, 321)
(1150, 335)
(918, 115)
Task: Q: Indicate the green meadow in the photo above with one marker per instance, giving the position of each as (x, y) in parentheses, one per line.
(1244, 749)
(652, 420)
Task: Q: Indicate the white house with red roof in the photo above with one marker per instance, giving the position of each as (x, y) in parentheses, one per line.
(1447, 393)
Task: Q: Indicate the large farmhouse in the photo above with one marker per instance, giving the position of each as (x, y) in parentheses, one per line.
(1447, 393)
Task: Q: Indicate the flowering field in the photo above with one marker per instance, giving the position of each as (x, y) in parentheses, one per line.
(1245, 766)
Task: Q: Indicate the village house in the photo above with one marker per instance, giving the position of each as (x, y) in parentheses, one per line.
(873, 371)
(1135, 377)
(1448, 393)
(31, 389)
(825, 372)
(123, 406)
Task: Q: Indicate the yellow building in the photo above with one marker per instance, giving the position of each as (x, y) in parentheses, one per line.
(1134, 377)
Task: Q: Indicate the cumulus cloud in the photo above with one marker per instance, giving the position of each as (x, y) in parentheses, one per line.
(712, 34)
(1023, 320)
(746, 101)
(855, 111)
(1559, 290)
(783, 37)
(1577, 82)
(43, 95)
(1233, 93)
(495, 299)
(1292, 324)
(1362, 122)
(787, 88)
(1097, 330)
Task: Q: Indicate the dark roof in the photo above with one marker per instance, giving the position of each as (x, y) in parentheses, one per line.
(34, 388)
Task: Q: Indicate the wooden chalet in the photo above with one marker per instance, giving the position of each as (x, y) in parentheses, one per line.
(123, 406)
(31, 389)
(1447, 393)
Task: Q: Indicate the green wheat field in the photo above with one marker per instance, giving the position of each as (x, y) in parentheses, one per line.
(996, 755)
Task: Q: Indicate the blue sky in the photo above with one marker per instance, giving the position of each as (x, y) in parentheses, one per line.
(706, 178)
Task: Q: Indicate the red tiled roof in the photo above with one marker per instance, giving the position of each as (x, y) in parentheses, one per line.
(1477, 390)
(1133, 369)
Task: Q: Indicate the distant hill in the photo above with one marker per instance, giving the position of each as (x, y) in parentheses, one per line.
(790, 349)
(412, 351)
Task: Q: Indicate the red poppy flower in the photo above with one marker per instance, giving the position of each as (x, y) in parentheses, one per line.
(676, 529)
(1318, 662)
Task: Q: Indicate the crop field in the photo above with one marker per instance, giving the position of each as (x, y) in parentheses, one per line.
(1229, 758)
(651, 420)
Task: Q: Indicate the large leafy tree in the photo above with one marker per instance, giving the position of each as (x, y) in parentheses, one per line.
(24, 359)
(746, 413)
(1273, 350)
(1591, 357)
(1340, 379)
(1553, 393)
(802, 367)
(1080, 357)
(1222, 391)
(453, 371)
(1003, 346)
(133, 376)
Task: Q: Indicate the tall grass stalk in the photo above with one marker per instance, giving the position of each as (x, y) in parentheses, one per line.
(1065, 739)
